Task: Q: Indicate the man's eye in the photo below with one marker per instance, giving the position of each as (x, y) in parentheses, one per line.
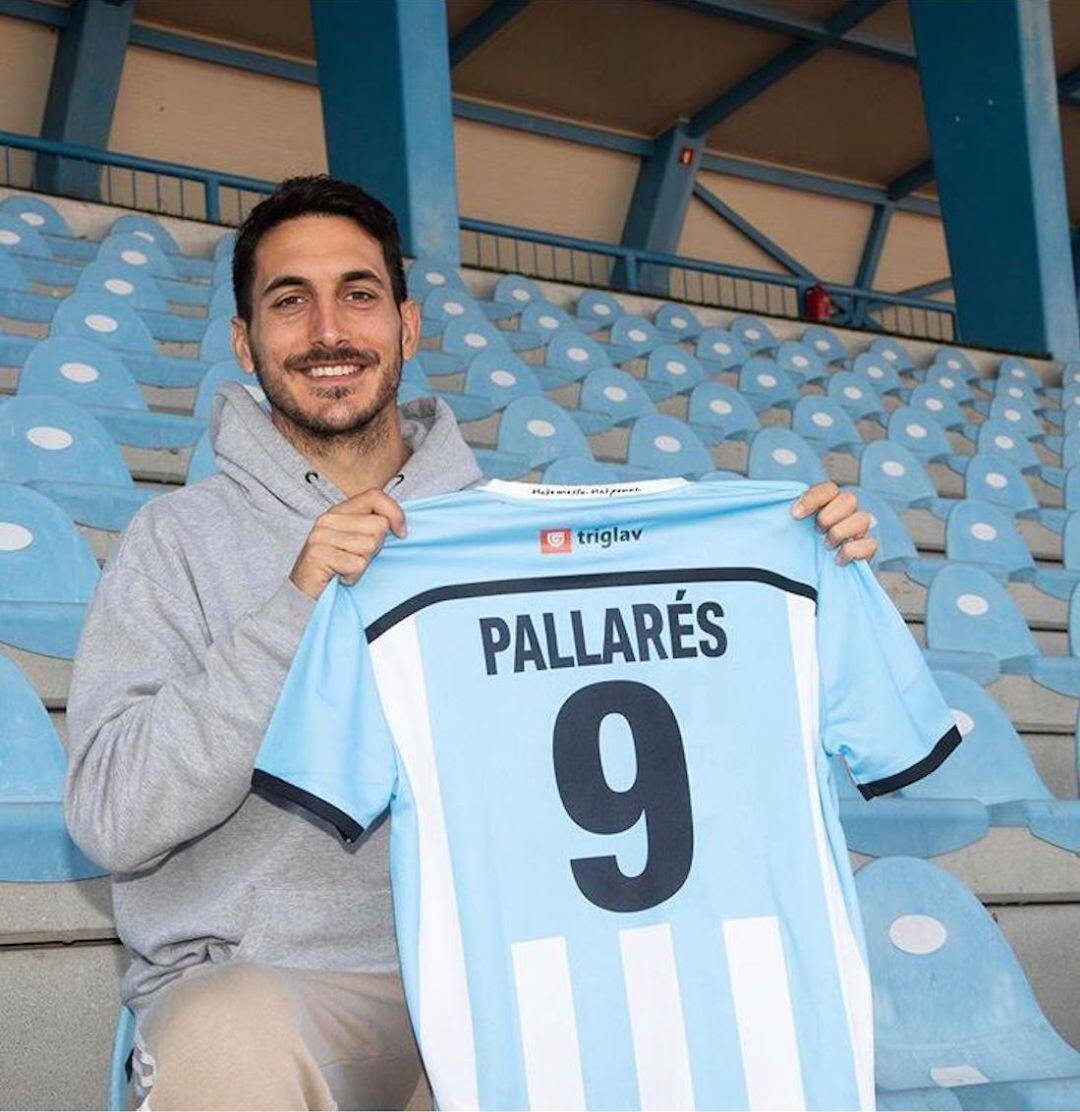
(288, 301)
(360, 295)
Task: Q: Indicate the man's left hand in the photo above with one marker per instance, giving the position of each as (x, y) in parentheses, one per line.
(838, 516)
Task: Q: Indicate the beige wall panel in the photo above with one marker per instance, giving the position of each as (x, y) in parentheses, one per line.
(914, 252)
(825, 234)
(536, 182)
(706, 236)
(182, 110)
(26, 56)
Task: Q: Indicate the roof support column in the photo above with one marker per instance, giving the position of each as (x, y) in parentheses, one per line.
(654, 221)
(384, 76)
(987, 72)
(82, 93)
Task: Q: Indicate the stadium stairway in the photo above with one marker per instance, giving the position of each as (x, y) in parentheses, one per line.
(59, 956)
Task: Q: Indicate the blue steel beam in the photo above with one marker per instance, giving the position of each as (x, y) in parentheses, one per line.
(487, 23)
(384, 76)
(757, 237)
(82, 92)
(788, 60)
(872, 248)
(990, 95)
(910, 180)
(928, 289)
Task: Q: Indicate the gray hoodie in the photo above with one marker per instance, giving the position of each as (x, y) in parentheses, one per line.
(185, 647)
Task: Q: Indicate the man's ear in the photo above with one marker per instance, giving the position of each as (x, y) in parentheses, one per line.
(410, 327)
(242, 346)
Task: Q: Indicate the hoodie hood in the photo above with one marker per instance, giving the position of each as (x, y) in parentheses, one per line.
(276, 476)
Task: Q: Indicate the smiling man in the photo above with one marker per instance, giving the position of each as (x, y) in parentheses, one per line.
(263, 969)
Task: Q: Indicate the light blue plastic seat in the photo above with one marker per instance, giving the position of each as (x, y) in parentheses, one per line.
(939, 405)
(575, 471)
(96, 379)
(443, 305)
(428, 273)
(202, 464)
(467, 406)
(1001, 439)
(216, 343)
(47, 574)
(150, 230)
(539, 323)
(782, 455)
(824, 424)
(955, 385)
(462, 340)
(223, 273)
(718, 412)
(34, 253)
(719, 350)
(993, 477)
(973, 626)
(17, 300)
(756, 336)
(61, 450)
(671, 370)
(223, 249)
(34, 842)
(825, 344)
(226, 370)
(854, 392)
(597, 311)
(499, 377)
(144, 255)
(632, 337)
(667, 446)
(106, 320)
(123, 1042)
(893, 472)
(801, 361)
(896, 550)
(1015, 392)
(893, 352)
(1014, 368)
(957, 362)
(924, 438)
(766, 386)
(222, 303)
(1020, 418)
(952, 1006)
(511, 295)
(677, 322)
(111, 277)
(37, 214)
(610, 397)
(533, 432)
(569, 358)
(873, 370)
(1070, 451)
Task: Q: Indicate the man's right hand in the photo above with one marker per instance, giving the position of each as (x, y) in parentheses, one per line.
(343, 541)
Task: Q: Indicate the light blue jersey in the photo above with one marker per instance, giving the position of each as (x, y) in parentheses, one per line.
(601, 718)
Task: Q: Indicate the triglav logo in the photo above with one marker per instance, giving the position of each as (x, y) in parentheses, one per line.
(555, 541)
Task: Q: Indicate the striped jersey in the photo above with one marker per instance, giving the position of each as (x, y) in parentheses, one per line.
(601, 719)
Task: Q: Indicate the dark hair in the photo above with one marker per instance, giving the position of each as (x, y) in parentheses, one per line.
(319, 194)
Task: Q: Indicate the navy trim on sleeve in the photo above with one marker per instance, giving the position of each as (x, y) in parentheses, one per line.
(271, 786)
(917, 771)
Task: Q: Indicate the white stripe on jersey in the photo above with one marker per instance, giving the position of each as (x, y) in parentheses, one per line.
(661, 1053)
(549, 1037)
(759, 990)
(444, 1025)
(851, 968)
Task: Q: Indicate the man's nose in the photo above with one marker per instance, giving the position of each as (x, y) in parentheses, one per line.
(327, 325)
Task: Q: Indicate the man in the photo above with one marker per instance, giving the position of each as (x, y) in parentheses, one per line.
(263, 969)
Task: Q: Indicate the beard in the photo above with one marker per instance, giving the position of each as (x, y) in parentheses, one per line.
(316, 432)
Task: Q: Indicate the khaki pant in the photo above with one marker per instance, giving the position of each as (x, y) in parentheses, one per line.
(255, 1036)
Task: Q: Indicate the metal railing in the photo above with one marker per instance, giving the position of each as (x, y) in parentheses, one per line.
(536, 254)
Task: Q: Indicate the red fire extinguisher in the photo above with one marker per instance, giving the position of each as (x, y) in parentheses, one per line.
(817, 305)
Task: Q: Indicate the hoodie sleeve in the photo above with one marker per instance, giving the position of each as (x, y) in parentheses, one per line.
(163, 725)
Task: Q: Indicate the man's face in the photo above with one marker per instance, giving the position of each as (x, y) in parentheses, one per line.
(326, 339)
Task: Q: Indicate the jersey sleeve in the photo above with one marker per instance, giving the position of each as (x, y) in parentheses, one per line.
(328, 747)
(881, 709)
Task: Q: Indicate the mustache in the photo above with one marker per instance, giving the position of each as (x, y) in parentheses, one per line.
(315, 356)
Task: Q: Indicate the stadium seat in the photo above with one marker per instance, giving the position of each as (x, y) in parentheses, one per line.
(896, 550)
(107, 321)
(223, 249)
(495, 378)
(222, 302)
(577, 471)
(825, 344)
(34, 253)
(1016, 392)
(677, 322)
(801, 362)
(719, 350)
(952, 1007)
(994, 478)
(610, 397)
(1016, 369)
(427, 274)
(924, 438)
(891, 471)
(512, 293)
(47, 574)
(539, 323)
(462, 340)
(718, 412)
(532, 432)
(954, 360)
(145, 255)
(823, 423)
(893, 352)
(94, 378)
(216, 342)
(766, 386)
(441, 306)
(974, 627)
(17, 300)
(871, 369)
(39, 215)
(34, 842)
(931, 400)
(667, 446)
(202, 464)
(782, 455)
(754, 334)
(854, 392)
(632, 338)
(111, 277)
(227, 370)
(1020, 418)
(956, 386)
(597, 311)
(65, 453)
(1000, 439)
(671, 370)
(150, 230)
(569, 358)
